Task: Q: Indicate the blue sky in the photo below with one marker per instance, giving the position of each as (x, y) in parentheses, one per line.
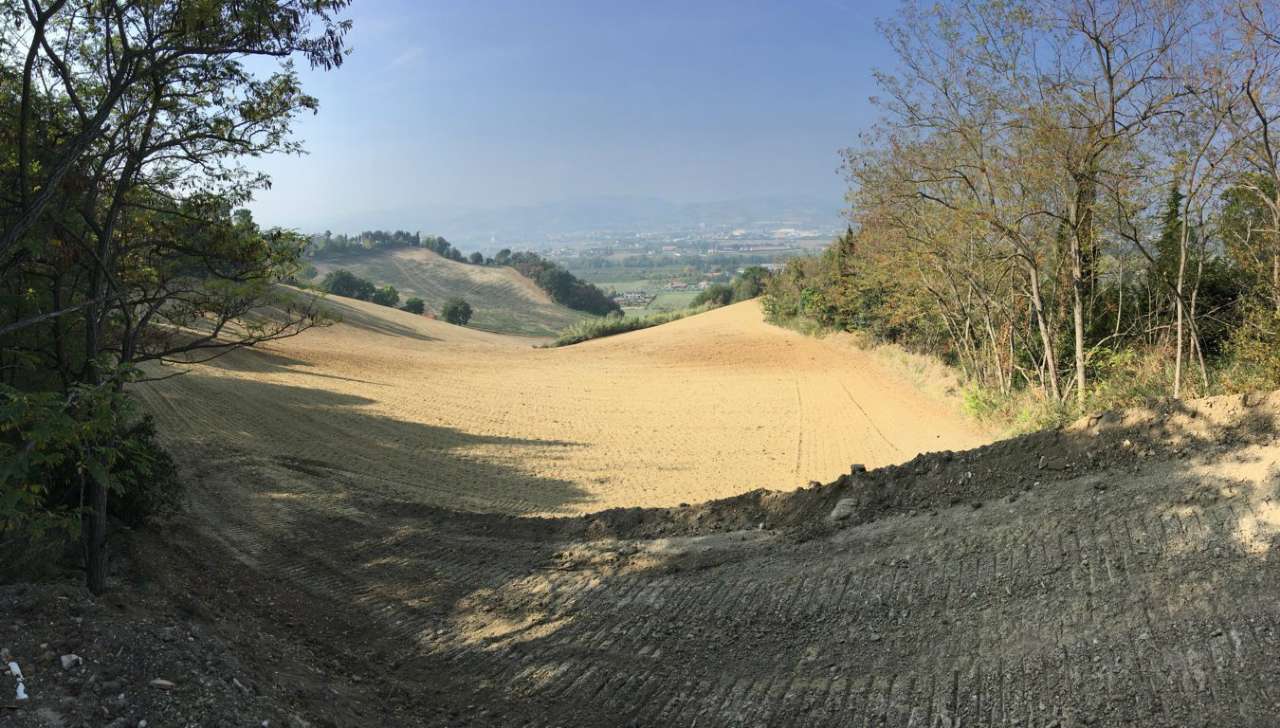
(478, 104)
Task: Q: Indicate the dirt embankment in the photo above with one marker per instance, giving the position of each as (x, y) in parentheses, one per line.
(1116, 572)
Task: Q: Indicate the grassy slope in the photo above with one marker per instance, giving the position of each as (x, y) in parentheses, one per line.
(502, 299)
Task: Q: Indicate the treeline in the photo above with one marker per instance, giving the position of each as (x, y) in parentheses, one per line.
(748, 284)
(695, 263)
(563, 287)
(124, 127)
(329, 245)
(1079, 200)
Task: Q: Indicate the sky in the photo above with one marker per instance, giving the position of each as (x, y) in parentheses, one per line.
(478, 104)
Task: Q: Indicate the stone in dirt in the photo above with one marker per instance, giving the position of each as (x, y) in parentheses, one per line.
(70, 660)
(845, 507)
(162, 684)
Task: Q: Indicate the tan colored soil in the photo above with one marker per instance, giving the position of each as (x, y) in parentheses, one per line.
(706, 407)
(1121, 571)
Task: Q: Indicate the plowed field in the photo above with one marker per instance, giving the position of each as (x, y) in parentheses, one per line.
(706, 407)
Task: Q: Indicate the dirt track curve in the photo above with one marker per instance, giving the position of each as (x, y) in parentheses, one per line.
(1119, 572)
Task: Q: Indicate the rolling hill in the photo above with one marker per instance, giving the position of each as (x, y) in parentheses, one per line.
(502, 300)
(709, 406)
(369, 502)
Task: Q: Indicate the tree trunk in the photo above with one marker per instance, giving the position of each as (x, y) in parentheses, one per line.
(1046, 336)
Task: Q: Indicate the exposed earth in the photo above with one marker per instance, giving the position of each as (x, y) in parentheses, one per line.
(1115, 572)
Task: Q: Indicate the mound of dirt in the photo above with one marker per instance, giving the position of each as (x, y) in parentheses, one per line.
(1118, 443)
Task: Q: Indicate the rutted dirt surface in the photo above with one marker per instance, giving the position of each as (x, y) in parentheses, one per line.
(1116, 572)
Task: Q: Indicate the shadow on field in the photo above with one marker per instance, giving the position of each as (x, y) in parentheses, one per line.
(260, 360)
(350, 315)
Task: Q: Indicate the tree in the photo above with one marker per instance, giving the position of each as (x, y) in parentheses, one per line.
(343, 282)
(503, 257)
(415, 305)
(120, 241)
(386, 296)
(476, 258)
(456, 311)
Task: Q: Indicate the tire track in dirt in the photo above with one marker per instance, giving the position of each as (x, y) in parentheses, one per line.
(971, 617)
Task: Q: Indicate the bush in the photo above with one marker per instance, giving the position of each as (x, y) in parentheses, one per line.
(456, 311)
(51, 447)
(145, 477)
(716, 294)
(415, 305)
(386, 296)
(345, 283)
(616, 323)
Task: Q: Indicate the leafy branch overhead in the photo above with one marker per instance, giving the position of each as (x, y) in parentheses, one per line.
(126, 124)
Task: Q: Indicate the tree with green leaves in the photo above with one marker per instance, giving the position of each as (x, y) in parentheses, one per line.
(124, 125)
(456, 311)
(386, 296)
(415, 305)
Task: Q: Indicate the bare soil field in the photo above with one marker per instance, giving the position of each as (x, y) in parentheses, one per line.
(707, 407)
(1120, 571)
(501, 299)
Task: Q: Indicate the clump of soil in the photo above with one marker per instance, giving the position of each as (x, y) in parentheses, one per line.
(119, 662)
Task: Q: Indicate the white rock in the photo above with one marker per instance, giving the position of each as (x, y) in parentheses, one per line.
(845, 507)
(162, 684)
(70, 660)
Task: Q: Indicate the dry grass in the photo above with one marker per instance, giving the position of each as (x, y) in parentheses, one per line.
(705, 407)
(501, 298)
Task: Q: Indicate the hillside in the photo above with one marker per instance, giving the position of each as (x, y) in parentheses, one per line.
(706, 407)
(502, 300)
(367, 547)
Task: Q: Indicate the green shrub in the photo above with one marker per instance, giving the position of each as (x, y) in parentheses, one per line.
(52, 447)
(415, 305)
(346, 283)
(386, 296)
(456, 311)
(145, 477)
(618, 324)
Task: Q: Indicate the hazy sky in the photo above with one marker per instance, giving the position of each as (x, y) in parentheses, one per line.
(479, 104)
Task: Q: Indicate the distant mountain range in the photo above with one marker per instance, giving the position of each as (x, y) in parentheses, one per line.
(560, 222)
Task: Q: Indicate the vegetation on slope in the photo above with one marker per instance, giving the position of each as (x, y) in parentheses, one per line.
(501, 299)
(616, 323)
(563, 287)
(1065, 260)
(126, 127)
(744, 287)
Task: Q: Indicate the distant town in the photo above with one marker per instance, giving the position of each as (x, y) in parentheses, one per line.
(666, 270)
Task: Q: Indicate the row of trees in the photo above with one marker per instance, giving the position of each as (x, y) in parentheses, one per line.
(122, 127)
(748, 284)
(345, 283)
(563, 287)
(1057, 193)
(332, 245)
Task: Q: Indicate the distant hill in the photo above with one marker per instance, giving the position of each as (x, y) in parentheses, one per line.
(634, 214)
(516, 226)
(502, 300)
